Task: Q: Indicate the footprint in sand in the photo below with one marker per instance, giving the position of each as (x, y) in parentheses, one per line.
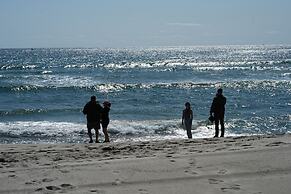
(39, 189)
(64, 171)
(53, 188)
(32, 182)
(193, 172)
(66, 186)
(222, 171)
(190, 171)
(246, 145)
(116, 182)
(215, 181)
(46, 180)
(57, 188)
(143, 191)
(235, 187)
(192, 162)
(97, 191)
(275, 144)
(219, 149)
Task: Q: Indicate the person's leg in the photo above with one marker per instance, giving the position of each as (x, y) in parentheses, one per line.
(189, 133)
(97, 135)
(216, 126)
(89, 133)
(188, 126)
(96, 126)
(106, 136)
(222, 126)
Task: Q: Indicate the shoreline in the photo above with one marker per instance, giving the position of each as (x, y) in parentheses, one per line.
(240, 164)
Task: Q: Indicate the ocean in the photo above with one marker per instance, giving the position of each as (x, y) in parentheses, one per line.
(43, 91)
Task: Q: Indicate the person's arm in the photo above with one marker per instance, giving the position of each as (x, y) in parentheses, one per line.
(191, 115)
(212, 106)
(101, 111)
(85, 109)
(183, 116)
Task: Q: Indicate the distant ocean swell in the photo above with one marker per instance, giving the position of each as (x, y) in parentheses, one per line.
(35, 111)
(113, 87)
(160, 65)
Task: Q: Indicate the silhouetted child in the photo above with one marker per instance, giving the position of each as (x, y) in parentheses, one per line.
(187, 118)
(105, 119)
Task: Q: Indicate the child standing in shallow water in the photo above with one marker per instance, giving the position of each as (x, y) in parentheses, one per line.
(105, 119)
(187, 118)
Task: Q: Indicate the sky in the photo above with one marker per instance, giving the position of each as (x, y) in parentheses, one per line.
(143, 23)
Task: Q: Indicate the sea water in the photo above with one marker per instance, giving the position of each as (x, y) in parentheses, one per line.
(43, 91)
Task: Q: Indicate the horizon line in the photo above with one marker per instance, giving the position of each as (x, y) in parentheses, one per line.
(147, 47)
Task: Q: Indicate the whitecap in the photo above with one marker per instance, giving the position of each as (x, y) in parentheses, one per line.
(46, 72)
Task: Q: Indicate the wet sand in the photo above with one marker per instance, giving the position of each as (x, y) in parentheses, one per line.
(253, 165)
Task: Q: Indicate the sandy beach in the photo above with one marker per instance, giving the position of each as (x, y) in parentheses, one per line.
(253, 164)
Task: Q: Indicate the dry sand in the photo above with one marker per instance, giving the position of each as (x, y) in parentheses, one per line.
(253, 165)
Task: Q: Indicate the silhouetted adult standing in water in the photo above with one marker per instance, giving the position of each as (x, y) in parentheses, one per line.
(105, 119)
(218, 108)
(93, 111)
(187, 118)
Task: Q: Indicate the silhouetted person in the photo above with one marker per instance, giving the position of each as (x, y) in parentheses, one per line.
(105, 119)
(187, 118)
(93, 111)
(218, 109)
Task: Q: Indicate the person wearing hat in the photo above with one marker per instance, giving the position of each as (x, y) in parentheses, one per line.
(105, 119)
(187, 118)
(93, 112)
(218, 109)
